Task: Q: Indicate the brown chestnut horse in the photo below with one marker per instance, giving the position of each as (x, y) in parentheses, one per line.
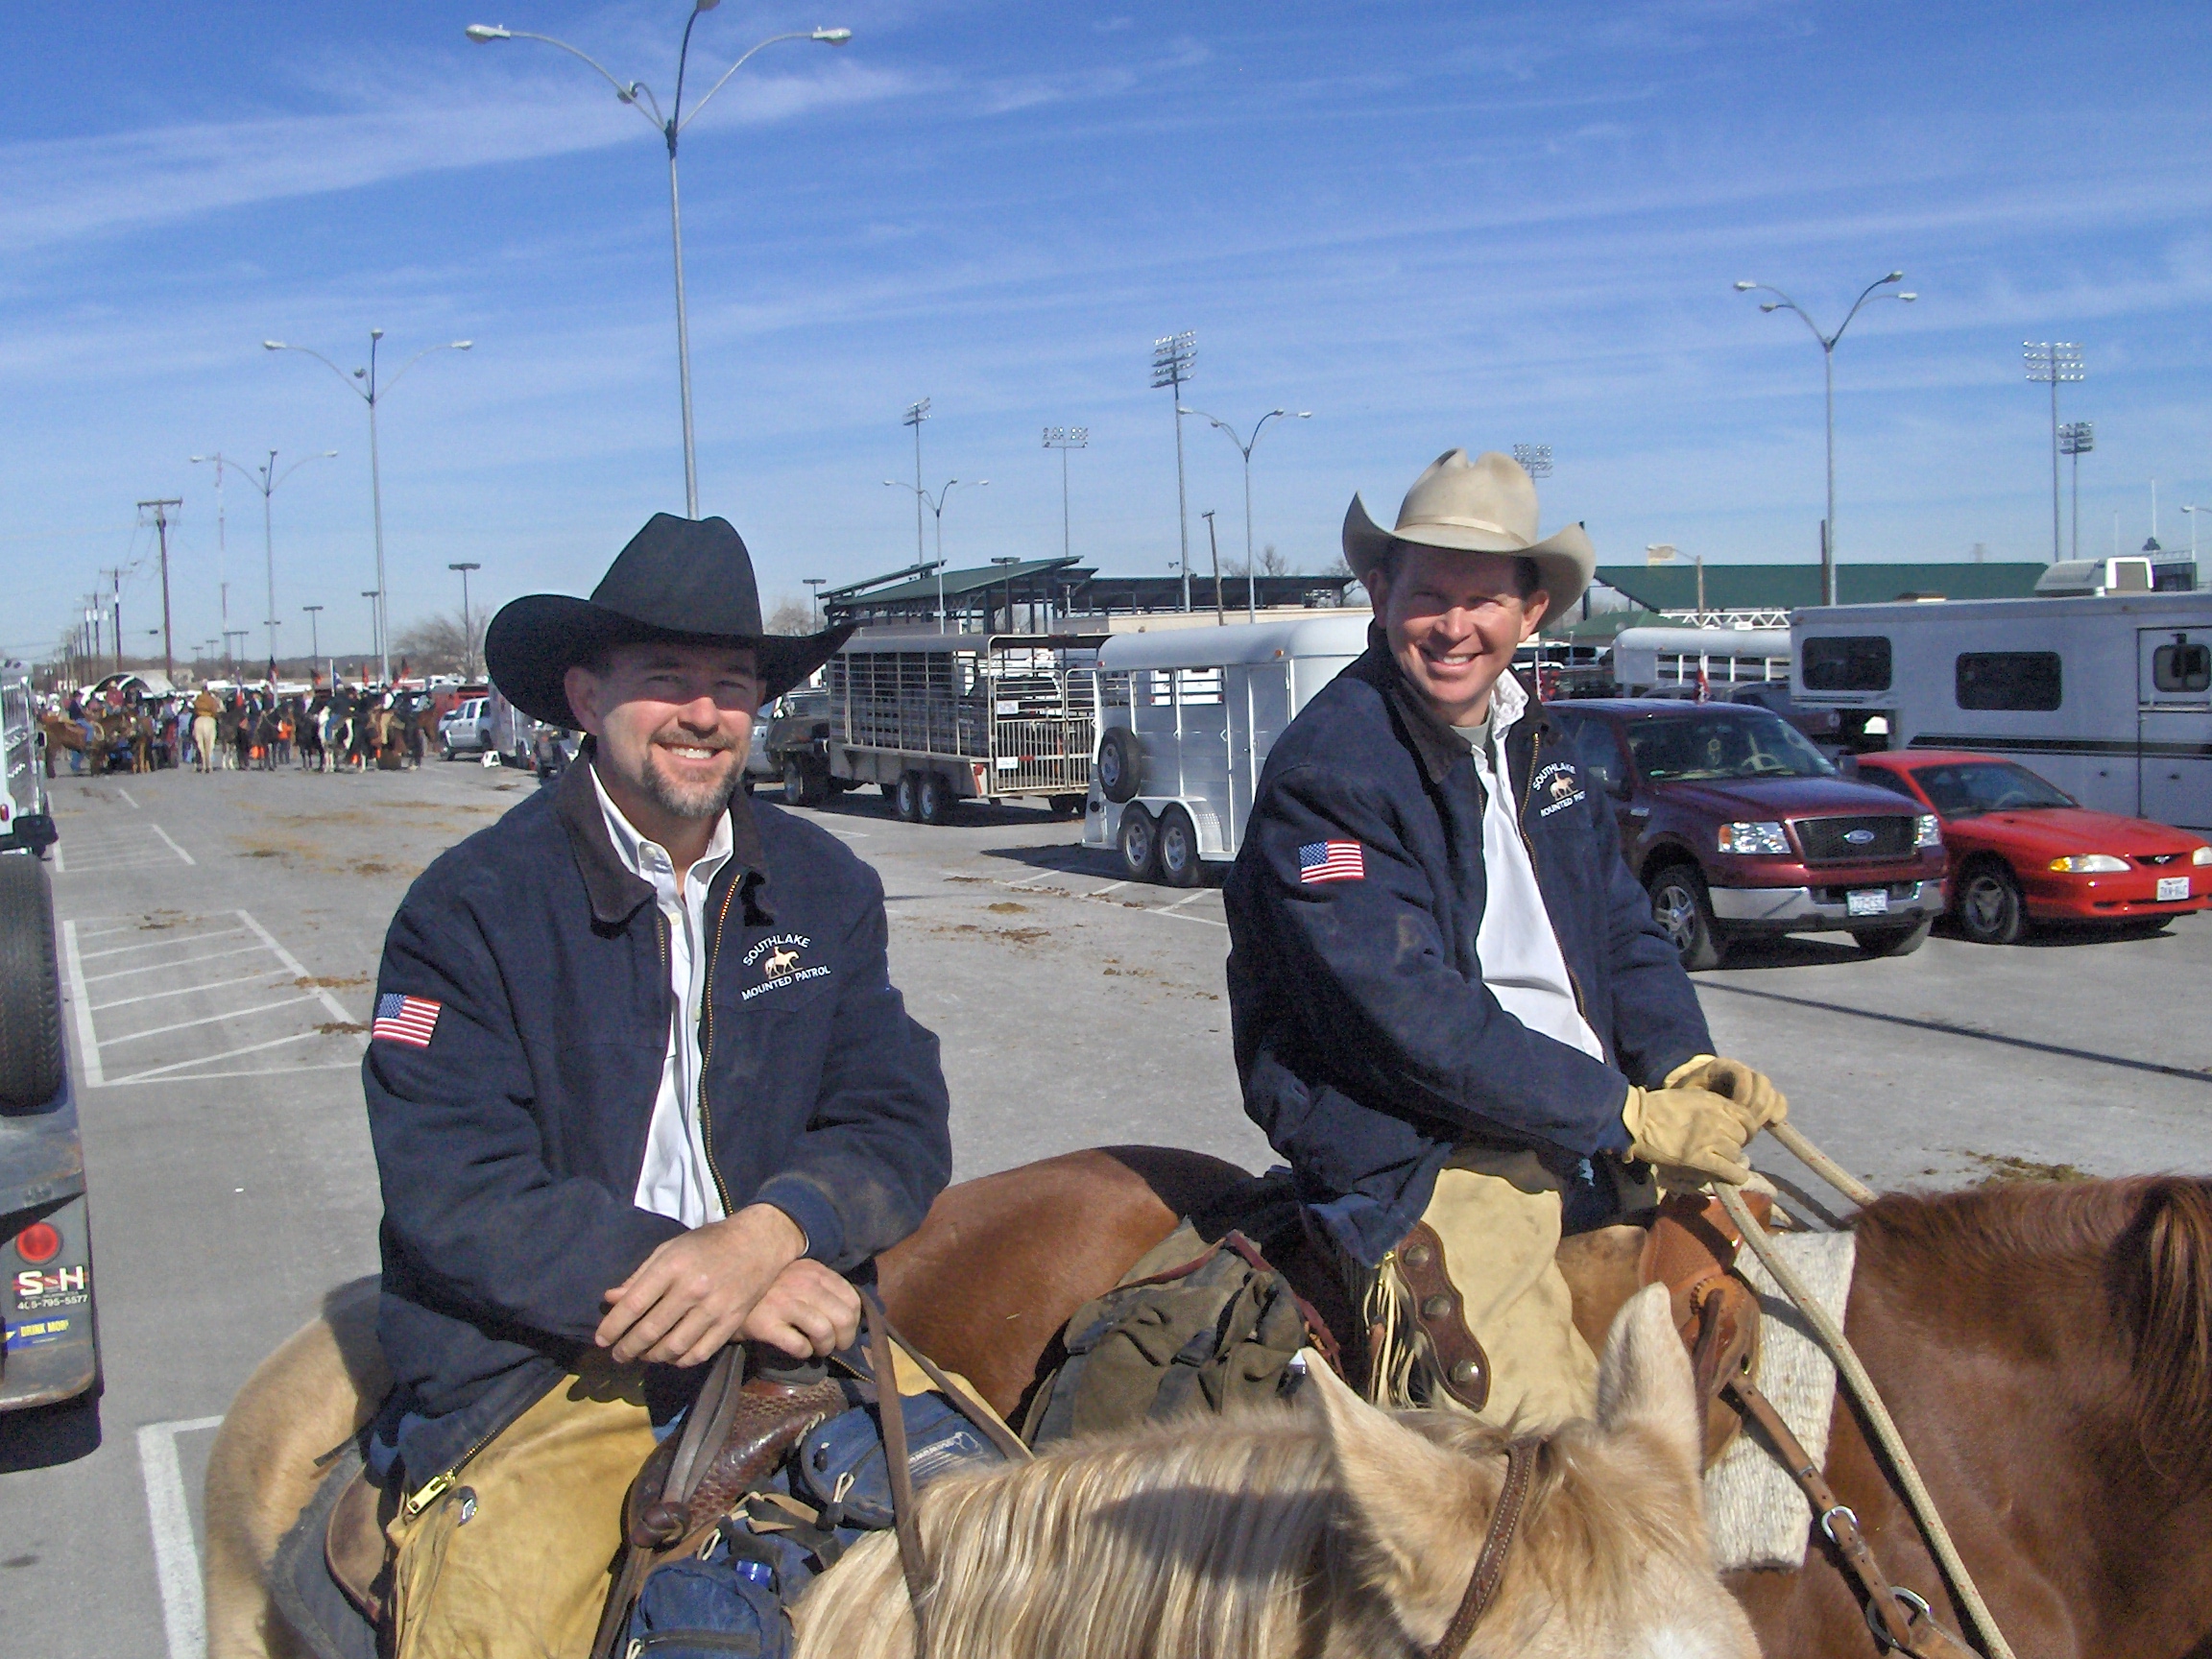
(2047, 1352)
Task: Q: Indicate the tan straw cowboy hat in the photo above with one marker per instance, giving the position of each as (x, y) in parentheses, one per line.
(1486, 505)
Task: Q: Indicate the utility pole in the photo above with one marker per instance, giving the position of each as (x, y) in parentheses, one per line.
(2076, 438)
(916, 414)
(160, 507)
(2052, 362)
(115, 575)
(1065, 438)
(1174, 356)
(467, 631)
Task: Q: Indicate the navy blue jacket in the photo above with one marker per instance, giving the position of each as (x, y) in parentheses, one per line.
(1366, 1041)
(510, 1146)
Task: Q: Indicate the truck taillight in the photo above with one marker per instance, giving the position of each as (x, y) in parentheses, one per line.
(39, 1243)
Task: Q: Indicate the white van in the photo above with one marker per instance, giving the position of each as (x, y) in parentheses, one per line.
(2109, 698)
(1186, 719)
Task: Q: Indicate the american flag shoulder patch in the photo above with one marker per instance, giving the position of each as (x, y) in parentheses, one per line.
(408, 1019)
(1332, 861)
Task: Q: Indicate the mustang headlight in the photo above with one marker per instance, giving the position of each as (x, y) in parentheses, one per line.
(2202, 855)
(1930, 833)
(2090, 864)
(1754, 839)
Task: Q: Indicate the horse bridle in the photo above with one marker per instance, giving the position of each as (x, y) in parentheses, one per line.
(1497, 1544)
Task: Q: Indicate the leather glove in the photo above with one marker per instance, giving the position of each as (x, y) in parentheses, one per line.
(1752, 1091)
(1690, 1129)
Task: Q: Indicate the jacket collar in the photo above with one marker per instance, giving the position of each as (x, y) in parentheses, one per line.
(615, 891)
(1439, 747)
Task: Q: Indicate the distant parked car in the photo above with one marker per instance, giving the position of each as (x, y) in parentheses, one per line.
(1736, 824)
(2024, 851)
(1822, 725)
(464, 730)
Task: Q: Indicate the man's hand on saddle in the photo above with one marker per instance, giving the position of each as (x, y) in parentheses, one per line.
(1708, 1111)
(743, 1278)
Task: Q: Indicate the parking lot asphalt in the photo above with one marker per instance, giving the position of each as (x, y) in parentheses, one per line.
(220, 936)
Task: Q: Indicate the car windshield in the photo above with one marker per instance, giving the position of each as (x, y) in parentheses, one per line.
(1740, 743)
(1963, 788)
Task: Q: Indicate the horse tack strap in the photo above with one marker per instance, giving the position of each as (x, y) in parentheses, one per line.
(1497, 1544)
(890, 1411)
(1898, 1618)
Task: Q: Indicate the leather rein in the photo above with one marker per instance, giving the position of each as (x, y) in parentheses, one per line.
(1497, 1544)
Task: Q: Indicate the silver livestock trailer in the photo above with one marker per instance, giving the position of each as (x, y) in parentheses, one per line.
(1186, 719)
(935, 719)
(2111, 698)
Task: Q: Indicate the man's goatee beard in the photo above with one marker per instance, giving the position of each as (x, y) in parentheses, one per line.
(700, 801)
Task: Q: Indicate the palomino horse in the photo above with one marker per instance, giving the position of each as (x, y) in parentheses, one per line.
(1331, 1530)
(2047, 1352)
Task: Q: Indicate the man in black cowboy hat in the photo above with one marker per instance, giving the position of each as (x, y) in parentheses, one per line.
(639, 1086)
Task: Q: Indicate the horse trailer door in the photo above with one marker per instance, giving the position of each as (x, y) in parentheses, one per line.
(2174, 726)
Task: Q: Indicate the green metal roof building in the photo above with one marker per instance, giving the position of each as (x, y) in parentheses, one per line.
(1772, 588)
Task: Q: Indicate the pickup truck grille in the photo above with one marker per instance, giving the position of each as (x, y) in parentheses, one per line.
(1851, 840)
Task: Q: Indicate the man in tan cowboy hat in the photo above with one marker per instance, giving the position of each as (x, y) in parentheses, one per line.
(1453, 1014)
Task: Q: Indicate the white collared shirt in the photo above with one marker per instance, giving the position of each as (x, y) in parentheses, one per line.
(675, 1181)
(1522, 963)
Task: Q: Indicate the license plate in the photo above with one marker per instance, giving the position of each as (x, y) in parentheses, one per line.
(1867, 902)
(2172, 887)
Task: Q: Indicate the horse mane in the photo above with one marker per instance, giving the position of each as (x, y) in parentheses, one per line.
(1232, 1538)
(2143, 1244)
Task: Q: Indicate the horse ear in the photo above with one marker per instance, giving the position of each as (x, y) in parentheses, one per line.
(1414, 1522)
(1643, 1381)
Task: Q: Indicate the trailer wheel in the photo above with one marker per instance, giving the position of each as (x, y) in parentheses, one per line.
(1139, 843)
(32, 1066)
(1064, 806)
(907, 797)
(1118, 760)
(936, 801)
(1178, 851)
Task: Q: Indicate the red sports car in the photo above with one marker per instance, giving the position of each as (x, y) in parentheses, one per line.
(2023, 850)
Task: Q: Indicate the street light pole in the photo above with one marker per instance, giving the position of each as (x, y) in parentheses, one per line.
(369, 391)
(639, 97)
(1783, 302)
(1065, 438)
(1173, 357)
(1245, 448)
(265, 478)
(936, 505)
(314, 643)
(468, 632)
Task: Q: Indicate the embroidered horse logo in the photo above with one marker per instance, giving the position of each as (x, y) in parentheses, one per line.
(781, 962)
(1562, 786)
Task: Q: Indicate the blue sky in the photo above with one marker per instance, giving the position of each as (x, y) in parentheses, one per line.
(1429, 224)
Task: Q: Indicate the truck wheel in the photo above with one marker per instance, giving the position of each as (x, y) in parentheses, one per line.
(1119, 760)
(804, 784)
(1178, 850)
(1139, 843)
(31, 1066)
(1685, 915)
(1892, 941)
(936, 802)
(1064, 806)
(1989, 907)
(907, 797)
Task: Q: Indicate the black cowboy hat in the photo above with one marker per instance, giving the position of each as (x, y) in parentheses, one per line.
(684, 580)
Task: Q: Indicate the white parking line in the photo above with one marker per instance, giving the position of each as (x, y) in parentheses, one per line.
(158, 944)
(1192, 898)
(169, 966)
(210, 1019)
(60, 867)
(209, 1059)
(80, 1001)
(173, 846)
(184, 990)
(175, 1552)
(300, 972)
(126, 800)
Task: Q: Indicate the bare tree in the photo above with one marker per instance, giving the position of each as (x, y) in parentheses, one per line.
(442, 644)
(791, 617)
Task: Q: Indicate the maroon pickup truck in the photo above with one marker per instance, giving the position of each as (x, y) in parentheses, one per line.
(1736, 824)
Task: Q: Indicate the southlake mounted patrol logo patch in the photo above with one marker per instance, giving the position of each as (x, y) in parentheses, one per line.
(780, 962)
(1558, 784)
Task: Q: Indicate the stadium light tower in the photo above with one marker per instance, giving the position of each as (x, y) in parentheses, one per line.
(1783, 302)
(1065, 438)
(2053, 363)
(1535, 459)
(2076, 438)
(1173, 357)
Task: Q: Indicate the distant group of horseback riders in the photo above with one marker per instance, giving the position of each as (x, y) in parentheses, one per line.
(241, 728)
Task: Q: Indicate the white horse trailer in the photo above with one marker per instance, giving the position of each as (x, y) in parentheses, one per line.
(1186, 718)
(2109, 698)
(1645, 658)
